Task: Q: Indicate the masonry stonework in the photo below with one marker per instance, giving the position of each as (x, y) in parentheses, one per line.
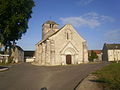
(60, 46)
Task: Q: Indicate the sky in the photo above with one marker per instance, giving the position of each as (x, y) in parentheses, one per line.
(97, 21)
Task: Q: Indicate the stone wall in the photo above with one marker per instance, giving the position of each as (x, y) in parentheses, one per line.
(54, 49)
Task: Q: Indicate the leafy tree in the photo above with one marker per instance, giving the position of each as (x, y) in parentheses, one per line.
(92, 56)
(14, 17)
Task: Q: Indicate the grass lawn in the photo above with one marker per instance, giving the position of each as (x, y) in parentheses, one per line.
(110, 76)
(6, 64)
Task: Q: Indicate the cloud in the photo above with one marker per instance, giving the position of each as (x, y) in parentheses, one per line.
(113, 35)
(91, 19)
(80, 21)
(96, 16)
(85, 2)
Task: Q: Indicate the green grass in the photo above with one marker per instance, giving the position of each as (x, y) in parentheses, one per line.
(110, 76)
(6, 64)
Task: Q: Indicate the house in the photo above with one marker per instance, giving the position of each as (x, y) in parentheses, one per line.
(111, 52)
(98, 53)
(29, 56)
(3, 57)
(60, 46)
(17, 54)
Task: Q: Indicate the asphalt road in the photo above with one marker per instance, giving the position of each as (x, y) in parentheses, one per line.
(25, 76)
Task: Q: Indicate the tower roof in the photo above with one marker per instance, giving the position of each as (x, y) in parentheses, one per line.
(50, 22)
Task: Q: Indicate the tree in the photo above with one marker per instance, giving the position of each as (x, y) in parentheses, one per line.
(92, 56)
(14, 17)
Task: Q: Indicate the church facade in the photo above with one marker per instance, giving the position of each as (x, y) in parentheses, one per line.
(60, 46)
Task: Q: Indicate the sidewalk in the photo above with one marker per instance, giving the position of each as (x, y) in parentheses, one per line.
(89, 83)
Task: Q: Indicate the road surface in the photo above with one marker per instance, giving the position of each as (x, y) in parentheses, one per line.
(25, 76)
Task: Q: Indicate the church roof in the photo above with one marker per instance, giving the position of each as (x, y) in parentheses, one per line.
(49, 36)
(52, 34)
(50, 22)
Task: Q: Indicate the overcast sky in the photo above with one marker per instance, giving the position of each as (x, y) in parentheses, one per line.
(97, 21)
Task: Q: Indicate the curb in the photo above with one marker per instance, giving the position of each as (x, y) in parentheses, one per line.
(3, 69)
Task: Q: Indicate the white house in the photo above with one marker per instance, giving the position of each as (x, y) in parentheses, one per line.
(111, 52)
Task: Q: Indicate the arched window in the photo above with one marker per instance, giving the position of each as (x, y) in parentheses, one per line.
(68, 35)
(51, 25)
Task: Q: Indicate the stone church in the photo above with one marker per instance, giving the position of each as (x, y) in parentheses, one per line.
(60, 46)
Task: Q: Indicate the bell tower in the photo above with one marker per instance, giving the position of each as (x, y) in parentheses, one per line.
(48, 28)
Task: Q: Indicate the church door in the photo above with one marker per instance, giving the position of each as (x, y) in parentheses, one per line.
(68, 59)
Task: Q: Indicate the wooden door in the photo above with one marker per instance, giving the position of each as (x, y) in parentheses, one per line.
(68, 59)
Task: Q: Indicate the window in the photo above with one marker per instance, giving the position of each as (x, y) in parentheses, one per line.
(67, 36)
(51, 25)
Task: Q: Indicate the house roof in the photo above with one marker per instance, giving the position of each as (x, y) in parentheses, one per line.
(29, 53)
(96, 51)
(19, 48)
(113, 46)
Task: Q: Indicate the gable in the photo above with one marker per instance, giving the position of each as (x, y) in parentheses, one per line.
(69, 49)
(68, 29)
(62, 33)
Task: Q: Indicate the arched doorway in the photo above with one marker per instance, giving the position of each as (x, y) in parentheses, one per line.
(69, 55)
(68, 59)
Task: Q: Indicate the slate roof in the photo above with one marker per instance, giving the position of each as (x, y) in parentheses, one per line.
(19, 48)
(113, 46)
